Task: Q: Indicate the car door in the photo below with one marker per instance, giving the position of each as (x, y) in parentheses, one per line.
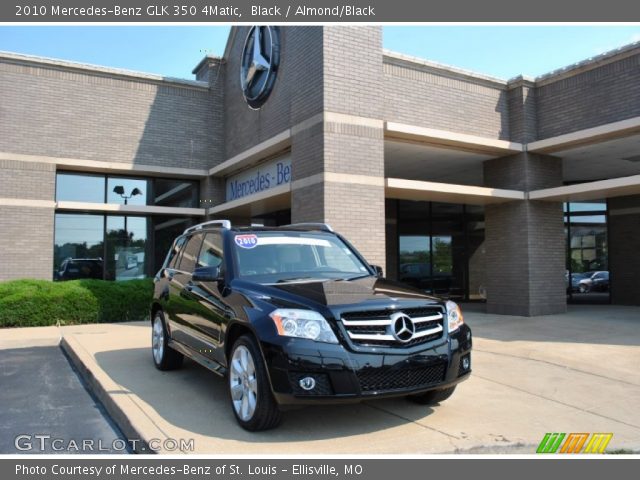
(212, 310)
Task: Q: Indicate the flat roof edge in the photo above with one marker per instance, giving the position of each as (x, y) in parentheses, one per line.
(91, 68)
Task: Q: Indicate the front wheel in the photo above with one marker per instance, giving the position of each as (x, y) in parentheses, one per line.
(584, 289)
(251, 398)
(164, 357)
(432, 397)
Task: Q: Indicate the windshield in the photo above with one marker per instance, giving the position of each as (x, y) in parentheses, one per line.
(274, 257)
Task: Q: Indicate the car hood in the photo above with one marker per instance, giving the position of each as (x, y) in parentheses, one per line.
(364, 293)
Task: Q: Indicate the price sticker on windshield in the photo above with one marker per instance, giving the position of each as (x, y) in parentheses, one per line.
(246, 241)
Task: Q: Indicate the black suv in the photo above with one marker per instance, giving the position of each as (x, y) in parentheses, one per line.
(295, 315)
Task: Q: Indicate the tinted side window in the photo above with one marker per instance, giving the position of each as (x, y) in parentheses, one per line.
(190, 253)
(174, 254)
(211, 252)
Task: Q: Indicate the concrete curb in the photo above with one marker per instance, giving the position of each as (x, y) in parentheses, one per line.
(114, 398)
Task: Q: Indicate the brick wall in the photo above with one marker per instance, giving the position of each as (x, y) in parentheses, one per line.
(434, 98)
(25, 255)
(26, 242)
(601, 95)
(523, 115)
(65, 112)
(624, 245)
(32, 180)
(524, 241)
(296, 96)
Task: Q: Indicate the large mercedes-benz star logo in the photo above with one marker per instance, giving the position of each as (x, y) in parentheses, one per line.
(402, 327)
(260, 61)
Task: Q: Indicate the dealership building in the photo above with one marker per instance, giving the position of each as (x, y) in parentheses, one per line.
(469, 186)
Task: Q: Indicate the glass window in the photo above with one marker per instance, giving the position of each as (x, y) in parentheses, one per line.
(75, 187)
(173, 255)
(277, 257)
(211, 251)
(175, 193)
(165, 231)
(126, 247)
(190, 253)
(587, 252)
(127, 191)
(78, 246)
(415, 261)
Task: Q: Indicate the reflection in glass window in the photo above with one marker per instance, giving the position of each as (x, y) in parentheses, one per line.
(415, 261)
(126, 247)
(74, 187)
(587, 275)
(175, 193)
(78, 246)
(211, 251)
(127, 191)
(190, 253)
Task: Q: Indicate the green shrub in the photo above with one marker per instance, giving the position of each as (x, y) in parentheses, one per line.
(29, 303)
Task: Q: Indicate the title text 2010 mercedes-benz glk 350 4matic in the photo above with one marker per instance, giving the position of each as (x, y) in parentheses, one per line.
(295, 315)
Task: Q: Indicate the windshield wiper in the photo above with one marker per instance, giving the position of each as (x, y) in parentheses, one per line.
(355, 277)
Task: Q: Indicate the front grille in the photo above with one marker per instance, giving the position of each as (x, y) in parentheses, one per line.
(323, 384)
(377, 379)
(375, 327)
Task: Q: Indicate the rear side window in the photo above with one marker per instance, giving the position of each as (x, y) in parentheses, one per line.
(190, 253)
(174, 254)
(211, 251)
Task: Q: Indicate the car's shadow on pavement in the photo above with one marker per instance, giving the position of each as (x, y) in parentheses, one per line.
(196, 400)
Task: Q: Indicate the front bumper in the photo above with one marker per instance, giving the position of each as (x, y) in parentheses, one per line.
(343, 376)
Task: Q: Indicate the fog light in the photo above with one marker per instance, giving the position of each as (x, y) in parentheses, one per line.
(307, 383)
(466, 363)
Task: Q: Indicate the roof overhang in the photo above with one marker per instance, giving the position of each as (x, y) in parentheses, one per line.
(446, 192)
(614, 187)
(587, 136)
(446, 139)
(274, 199)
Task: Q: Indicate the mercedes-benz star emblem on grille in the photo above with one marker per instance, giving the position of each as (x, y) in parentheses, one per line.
(259, 67)
(402, 327)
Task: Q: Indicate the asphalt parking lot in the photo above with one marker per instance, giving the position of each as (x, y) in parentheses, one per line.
(561, 373)
(46, 407)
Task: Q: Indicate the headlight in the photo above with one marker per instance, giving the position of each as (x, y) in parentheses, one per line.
(303, 324)
(454, 316)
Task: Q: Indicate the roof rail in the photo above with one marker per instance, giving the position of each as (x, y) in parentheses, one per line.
(223, 223)
(324, 227)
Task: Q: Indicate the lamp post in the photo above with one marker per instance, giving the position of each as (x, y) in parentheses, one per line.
(119, 190)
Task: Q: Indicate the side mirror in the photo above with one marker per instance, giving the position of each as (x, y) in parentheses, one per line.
(378, 270)
(206, 274)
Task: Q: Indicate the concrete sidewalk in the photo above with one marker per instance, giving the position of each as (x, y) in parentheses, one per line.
(562, 373)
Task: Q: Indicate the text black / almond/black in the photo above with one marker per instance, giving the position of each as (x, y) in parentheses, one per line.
(294, 315)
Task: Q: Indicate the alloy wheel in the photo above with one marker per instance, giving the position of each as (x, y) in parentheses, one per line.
(243, 383)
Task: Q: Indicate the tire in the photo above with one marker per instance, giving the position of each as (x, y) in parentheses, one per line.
(164, 357)
(432, 397)
(584, 289)
(249, 391)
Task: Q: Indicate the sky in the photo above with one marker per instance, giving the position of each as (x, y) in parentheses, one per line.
(173, 51)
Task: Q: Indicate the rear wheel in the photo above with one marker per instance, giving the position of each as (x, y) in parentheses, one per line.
(432, 397)
(251, 398)
(164, 357)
